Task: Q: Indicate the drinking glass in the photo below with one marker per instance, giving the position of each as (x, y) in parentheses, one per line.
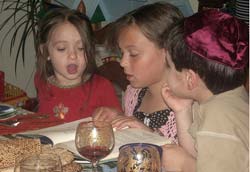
(139, 157)
(39, 163)
(94, 140)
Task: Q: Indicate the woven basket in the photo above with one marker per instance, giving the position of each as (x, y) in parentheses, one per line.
(14, 95)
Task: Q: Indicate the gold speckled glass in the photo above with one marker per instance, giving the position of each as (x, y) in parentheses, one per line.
(139, 157)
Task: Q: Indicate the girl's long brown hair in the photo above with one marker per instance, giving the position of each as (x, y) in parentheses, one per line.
(46, 26)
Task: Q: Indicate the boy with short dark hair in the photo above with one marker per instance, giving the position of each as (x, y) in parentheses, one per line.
(207, 56)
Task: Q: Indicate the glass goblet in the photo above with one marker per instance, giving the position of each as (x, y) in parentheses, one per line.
(94, 140)
(139, 157)
(38, 163)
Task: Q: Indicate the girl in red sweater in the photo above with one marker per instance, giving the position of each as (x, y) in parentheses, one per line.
(66, 83)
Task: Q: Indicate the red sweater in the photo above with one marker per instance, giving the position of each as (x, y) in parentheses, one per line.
(78, 102)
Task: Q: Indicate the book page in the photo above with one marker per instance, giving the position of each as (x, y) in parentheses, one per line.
(60, 133)
(122, 137)
(64, 136)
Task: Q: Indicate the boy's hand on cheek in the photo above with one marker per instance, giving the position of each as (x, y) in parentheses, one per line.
(177, 104)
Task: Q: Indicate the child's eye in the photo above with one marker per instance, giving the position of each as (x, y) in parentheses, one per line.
(133, 54)
(81, 48)
(61, 49)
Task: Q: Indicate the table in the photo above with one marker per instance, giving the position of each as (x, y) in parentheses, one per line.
(110, 166)
(28, 121)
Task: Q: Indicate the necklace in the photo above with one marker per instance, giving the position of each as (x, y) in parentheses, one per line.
(52, 80)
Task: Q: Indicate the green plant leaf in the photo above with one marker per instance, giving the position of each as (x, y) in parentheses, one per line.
(22, 20)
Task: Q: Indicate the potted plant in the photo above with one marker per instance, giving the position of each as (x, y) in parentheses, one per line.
(22, 19)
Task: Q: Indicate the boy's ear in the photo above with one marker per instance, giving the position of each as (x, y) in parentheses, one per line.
(192, 79)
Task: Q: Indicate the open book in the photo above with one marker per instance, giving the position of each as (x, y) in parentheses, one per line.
(64, 136)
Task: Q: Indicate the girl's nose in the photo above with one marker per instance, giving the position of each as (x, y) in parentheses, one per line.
(73, 55)
(123, 61)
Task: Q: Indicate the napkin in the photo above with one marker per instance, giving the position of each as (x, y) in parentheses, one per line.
(30, 122)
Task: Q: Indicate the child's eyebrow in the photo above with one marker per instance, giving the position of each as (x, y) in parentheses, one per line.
(128, 47)
(58, 42)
